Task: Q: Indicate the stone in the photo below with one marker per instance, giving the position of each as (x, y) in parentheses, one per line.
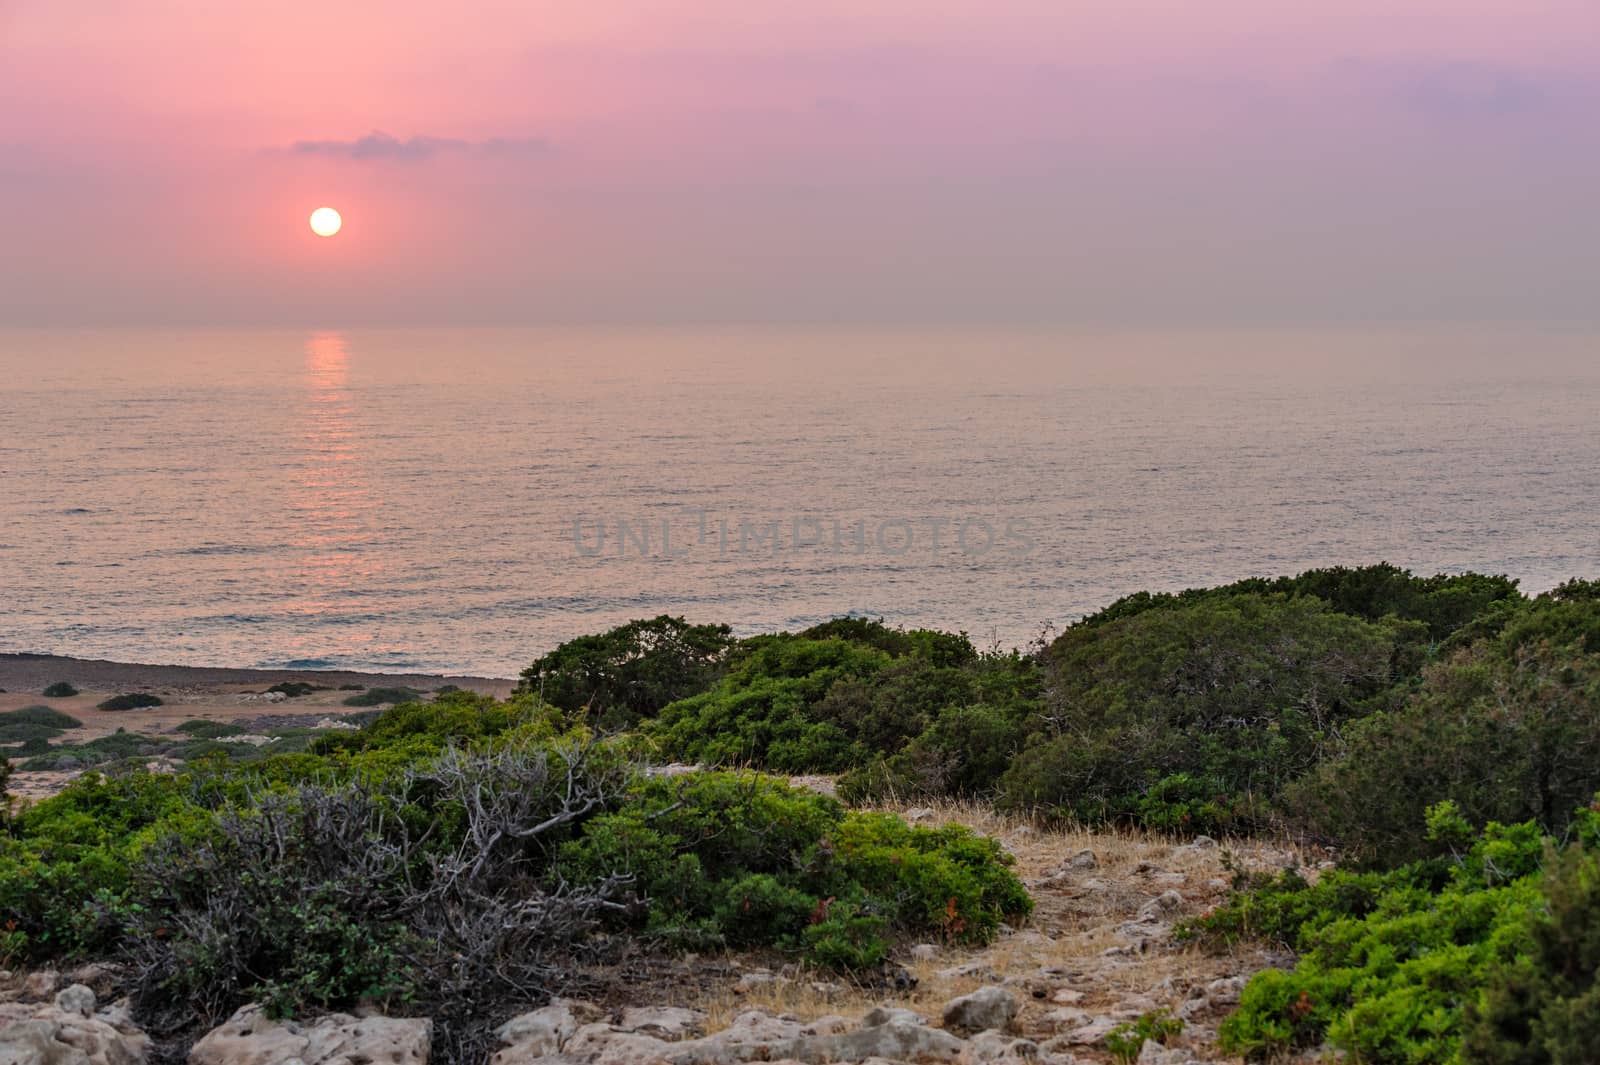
(755, 979)
(891, 1015)
(669, 1023)
(49, 1035)
(1091, 1034)
(41, 985)
(599, 1044)
(1164, 903)
(971, 971)
(1153, 1053)
(919, 813)
(541, 1031)
(998, 1047)
(76, 999)
(1065, 996)
(250, 1037)
(984, 1009)
(1064, 1018)
(1226, 991)
(924, 952)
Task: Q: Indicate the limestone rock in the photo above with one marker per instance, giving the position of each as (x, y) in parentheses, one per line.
(51, 1035)
(249, 1037)
(998, 1047)
(986, 1008)
(539, 1032)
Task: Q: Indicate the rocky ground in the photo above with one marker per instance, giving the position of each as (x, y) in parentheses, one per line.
(1099, 950)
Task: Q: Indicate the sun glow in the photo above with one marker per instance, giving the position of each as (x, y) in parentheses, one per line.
(325, 221)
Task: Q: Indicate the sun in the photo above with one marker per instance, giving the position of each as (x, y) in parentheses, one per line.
(325, 221)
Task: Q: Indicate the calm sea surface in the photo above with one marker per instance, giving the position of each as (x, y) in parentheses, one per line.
(463, 500)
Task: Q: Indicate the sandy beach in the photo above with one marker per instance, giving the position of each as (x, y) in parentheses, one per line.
(187, 693)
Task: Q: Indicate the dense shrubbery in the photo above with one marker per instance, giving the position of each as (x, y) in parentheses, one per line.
(59, 690)
(1192, 717)
(839, 696)
(631, 672)
(1509, 729)
(1475, 958)
(457, 856)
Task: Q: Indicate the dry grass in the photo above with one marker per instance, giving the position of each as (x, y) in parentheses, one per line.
(1063, 946)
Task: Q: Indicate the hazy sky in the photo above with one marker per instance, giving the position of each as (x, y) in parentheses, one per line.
(1134, 161)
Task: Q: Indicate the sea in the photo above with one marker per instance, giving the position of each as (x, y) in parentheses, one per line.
(462, 500)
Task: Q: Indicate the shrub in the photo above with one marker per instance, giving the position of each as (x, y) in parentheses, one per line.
(632, 671)
(964, 751)
(18, 732)
(1508, 729)
(1543, 1008)
(738, 858)
(1126, 1040)
(59, 690)
(1389, 963)
(135, 701)
(761, 712)
(1188, 716)
(210, 730)
(296, 689)
(1442, 603)
(381, 696)
(859, 692)
(40, 715)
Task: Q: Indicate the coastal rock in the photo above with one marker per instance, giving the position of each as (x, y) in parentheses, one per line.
(75, 999)
(986, 1008)
(891, 1015)
(669, 1023)
(249, 1037)
(539, 1032)
(999, 1048)
(74, 1035)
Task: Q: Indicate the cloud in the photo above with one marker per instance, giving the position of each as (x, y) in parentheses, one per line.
(378, 146)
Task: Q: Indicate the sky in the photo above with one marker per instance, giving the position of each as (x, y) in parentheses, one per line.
(1134, 162)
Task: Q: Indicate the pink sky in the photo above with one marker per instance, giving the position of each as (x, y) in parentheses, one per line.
(1139, 161)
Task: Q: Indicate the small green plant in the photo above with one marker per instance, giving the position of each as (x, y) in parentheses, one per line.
(1126, 1040)
(59, 690)
(135, 701)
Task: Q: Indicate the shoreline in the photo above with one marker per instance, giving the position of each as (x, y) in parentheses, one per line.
(22, 671)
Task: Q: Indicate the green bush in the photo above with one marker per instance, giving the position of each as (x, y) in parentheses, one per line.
(629, 673)
(1508, 729)
(1126, 1040)
(59, 690)
(1390, 964)
(210, 730)
(18, 732)
(135, 701)
(1543, 1007)
(40, 715)
(850, 692)
(739, 858)
(1192, 716)
(1443, 603)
